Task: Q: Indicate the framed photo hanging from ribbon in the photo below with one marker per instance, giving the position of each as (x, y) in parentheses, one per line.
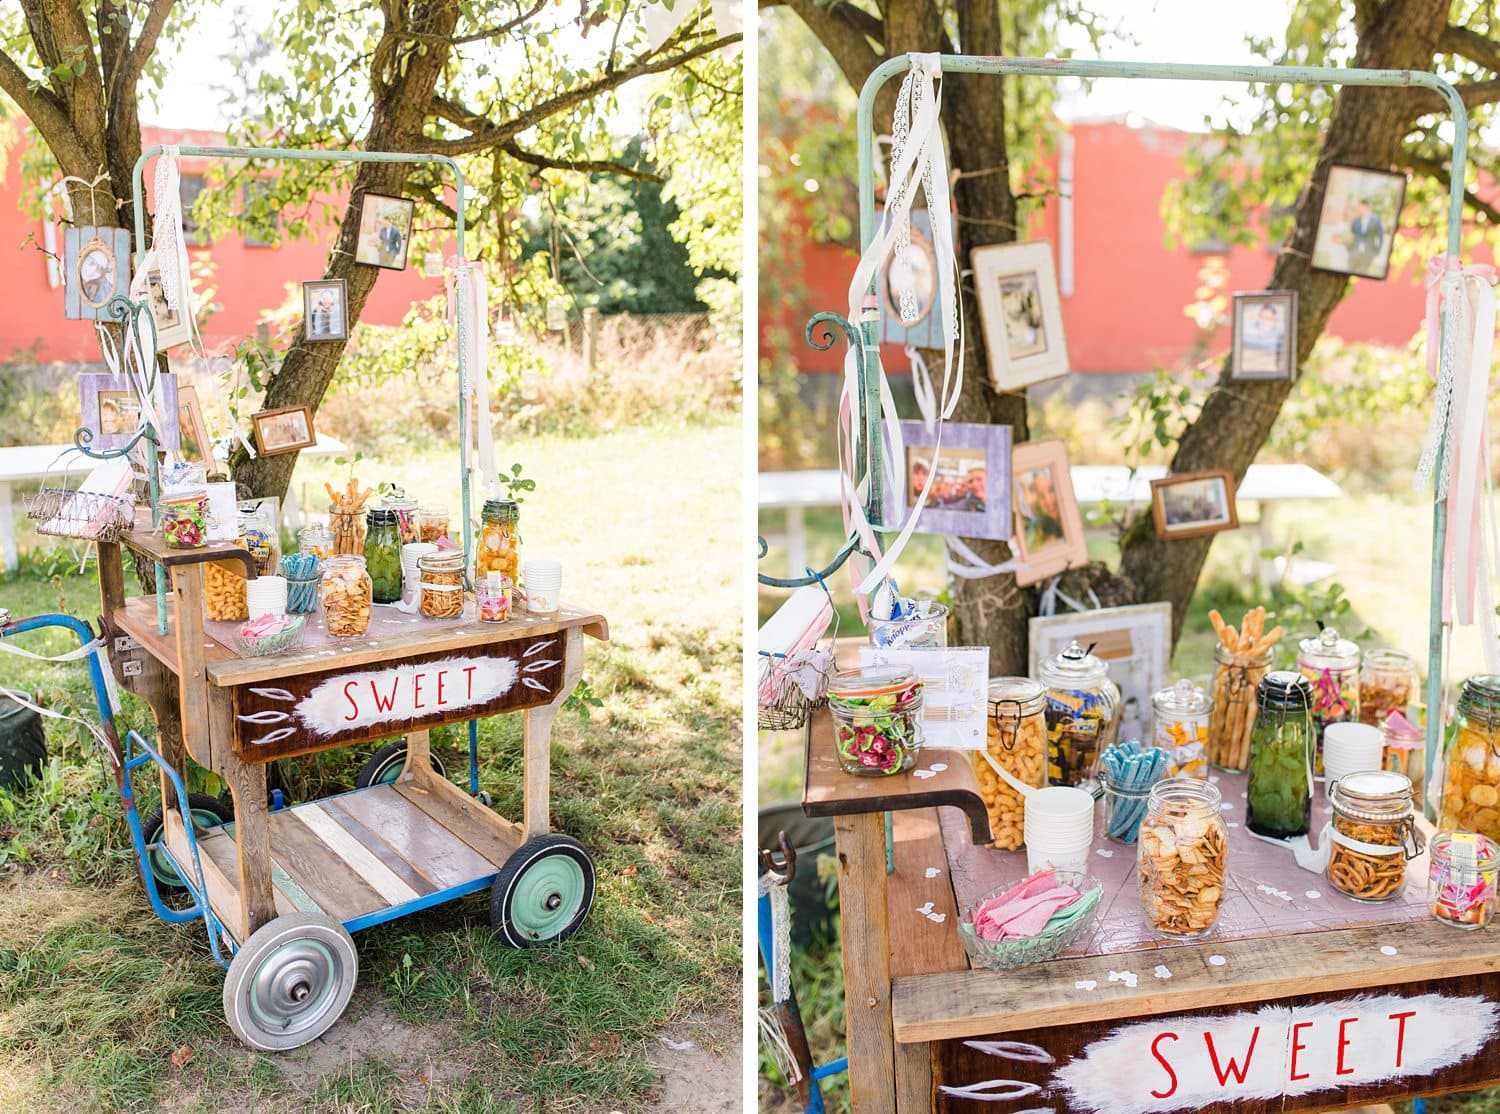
(1021, 310)
(96, 267)
(970, 496)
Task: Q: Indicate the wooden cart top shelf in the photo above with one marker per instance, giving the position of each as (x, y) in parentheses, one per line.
(150, 544)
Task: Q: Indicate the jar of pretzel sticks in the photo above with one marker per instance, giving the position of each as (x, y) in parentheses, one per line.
(1016, 740)
(1373, 834)
(1471, 783)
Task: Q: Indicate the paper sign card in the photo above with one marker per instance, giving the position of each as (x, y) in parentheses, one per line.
(955, 690)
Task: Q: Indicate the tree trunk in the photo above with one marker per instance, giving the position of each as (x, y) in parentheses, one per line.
(1367, 127)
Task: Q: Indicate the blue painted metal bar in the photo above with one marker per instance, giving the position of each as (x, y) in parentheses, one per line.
(394, 912)
(473, 758)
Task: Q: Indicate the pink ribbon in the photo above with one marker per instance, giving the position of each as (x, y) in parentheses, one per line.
(1437, 267)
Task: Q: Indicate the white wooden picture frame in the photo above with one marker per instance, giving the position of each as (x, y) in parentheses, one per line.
(1021, 312)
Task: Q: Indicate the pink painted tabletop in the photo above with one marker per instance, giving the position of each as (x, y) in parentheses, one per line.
(1267, 893)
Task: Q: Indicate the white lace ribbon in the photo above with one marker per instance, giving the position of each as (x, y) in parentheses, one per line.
(780, 973)
(468, 303)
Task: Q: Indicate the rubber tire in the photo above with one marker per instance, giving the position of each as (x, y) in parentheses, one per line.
(151, 833)
(387, 763)
(23, 745)
(504, 891)
(326, 935)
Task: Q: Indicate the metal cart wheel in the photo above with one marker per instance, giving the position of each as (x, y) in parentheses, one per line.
(387, 764)
(207, 812)
(290, 981)
(543, 893)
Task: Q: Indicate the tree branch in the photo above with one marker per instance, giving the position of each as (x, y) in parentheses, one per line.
(476, 36)
(42, 106)
(1437, 169)
(144, 46)
(843, 34)
(1471, 45)
(586, 166)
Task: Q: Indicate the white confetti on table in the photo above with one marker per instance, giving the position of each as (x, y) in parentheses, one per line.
(932, 872)
(1162, 971)
(1105, 853)
(939, 767)
(1217, 960)
(1386, 949)
(1085, 984)
(1129, 978)
(1225, 806)
(1314, 894)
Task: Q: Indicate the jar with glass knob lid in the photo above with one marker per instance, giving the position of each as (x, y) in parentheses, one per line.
(1082, 711)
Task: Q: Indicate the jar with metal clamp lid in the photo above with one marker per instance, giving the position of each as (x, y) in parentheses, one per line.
(383, 554)
(1279, 796)
(1016, 740)
(442, 584)
(1471, 783)
(1082, 706)
(1331, 665)
(498, 548)
(1387, 683)
(1373, 834)
(1180, 726)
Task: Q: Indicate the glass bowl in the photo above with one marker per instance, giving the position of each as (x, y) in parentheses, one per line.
(282, 643)
(1004, 955)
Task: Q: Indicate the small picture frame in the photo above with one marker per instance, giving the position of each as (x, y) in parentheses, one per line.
(1049, 535)
(384, 231)
(111, 410)
(917, 272)
(171, 324)
(283, 431)
(193, 443)
(325, 310)
(1021, 311)
(1358, 221)
(96, 267)
(1265, 335)
(1193, 504)
(970, 495)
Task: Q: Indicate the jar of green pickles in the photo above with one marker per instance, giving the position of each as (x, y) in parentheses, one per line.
(383, 554)
(1279, 797)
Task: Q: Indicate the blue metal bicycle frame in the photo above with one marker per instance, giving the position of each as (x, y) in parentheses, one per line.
(766, 938)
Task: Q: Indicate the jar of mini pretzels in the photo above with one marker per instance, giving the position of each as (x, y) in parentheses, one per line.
(1182, 855)
(1373, 834)
(1471, 785)
(346, 596)
(442, 584)
(1017, 741)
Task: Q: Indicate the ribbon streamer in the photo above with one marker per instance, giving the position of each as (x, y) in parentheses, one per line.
(468, 309)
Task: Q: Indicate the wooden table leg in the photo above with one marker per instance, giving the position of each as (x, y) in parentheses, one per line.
(865, 934)
(252, 830)
(537, 737)
(913, 1077)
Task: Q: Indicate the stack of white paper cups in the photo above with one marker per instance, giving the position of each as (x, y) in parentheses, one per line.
(1350, 748)
(1059, 828)
(265, 595)
(543, 583)
(411, 553)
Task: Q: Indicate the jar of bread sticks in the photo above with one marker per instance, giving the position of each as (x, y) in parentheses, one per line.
(1016, 739)
(1373, 834)
(1241, 659)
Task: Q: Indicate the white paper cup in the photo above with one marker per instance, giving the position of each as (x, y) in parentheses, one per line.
(542, 581)
(265, 595)
(1074, 859)
(1351, 748)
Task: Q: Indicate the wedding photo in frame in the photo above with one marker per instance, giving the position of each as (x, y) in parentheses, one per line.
(283, 431)
(1265, 335)
(970, 496)
(1021, 312)
(1049, 534)
(1358, 221)
(1193, 504)
(384, 231)
(325, 310)
(171, 324)
(192, 432)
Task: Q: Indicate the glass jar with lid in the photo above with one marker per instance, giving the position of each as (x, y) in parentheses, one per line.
(441, 584)
(1082, 709)
(1279, 796)
(1016, 739)
(1180, 715)
(315, 538)
(877, 719)
(404, 507)
(1374, 834)
(345, 596)
(347, 525)
(383, 554)
(1232, 715)
(1387, 683)
(1331, 665)
(1471, 783)
(1461, 879)
(499, 548)
(1182, 857)
(1404, 750)
(432, 522)
(260, 534)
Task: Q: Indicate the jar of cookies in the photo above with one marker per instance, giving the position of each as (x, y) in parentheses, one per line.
(1017, 740)
(1278, 799)
(345, 594)
(1331, 665)
(1232, 715)
(498, 549)
(1387, 683)
(1082, 706)
(441, 584)
(1180, 727)
(1374, 834)
(1471, 785)
(1182, 856)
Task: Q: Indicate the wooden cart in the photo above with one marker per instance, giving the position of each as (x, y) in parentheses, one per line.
(285, 888)
(1338, 1016)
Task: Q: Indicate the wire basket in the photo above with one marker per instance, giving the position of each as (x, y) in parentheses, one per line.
(783, 705)
(1005, 955)
(65, 513)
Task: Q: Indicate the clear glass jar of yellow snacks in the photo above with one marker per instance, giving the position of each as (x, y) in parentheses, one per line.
(1182, 857)
(224, 594)
(1471, 786)
(1017, 741)
(498, 547)
(346, 596)
(1180, 727)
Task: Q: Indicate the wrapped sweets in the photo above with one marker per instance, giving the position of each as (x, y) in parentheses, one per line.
(1331, 666)
(877, 719)
(1180, 715)
(1082, 709)
(1241, 660)
(1016, 739)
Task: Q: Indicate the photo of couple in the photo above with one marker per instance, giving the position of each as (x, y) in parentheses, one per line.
(957, 478)
(1357, 226)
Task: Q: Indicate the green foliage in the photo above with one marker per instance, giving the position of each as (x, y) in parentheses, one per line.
(516, 486)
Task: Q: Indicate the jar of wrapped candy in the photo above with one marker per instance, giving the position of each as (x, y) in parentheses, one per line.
(432, 522)
(442, 584)
(260, 533)
(1471, 785)
(1016, 739)
(184, 520)
(315, 539)
(1461, 878)
(498, 549)
(1082, 705)
(383, 554)
(1180, 727)
(1279, 796)
(1374, 834)
(1182, 855)
(1387, 683)
(492, 597)
(345, 594)
(404, 507)
(1331, 666)
(877, 719)
(923, 624)
(1232, 711)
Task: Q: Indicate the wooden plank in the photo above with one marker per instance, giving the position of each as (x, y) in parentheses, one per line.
(418, 754)
(913, 1076)
(409, 872)
(828, 791)
(290, 897)
(359, 858)
(187, 593)
(865, 935)
(417, 837)
(970, 1003)
(252, 832)
(328, 880)
(1297, 1054)
(537, 743)
(922, 944)
(494, 837)
(151, 544)
(223, 896)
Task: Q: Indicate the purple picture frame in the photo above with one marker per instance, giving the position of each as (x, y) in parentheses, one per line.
(966, 447)
(96, 391)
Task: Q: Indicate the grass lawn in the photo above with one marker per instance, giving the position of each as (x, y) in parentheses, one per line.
(102, 1007)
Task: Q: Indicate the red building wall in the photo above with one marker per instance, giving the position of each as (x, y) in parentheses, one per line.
(1126, 310)
(248, 282)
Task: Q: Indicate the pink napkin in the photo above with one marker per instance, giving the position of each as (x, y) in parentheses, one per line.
(1024, 909)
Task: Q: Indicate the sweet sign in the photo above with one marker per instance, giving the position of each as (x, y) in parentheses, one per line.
(343, 706)
(1288, 1055)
